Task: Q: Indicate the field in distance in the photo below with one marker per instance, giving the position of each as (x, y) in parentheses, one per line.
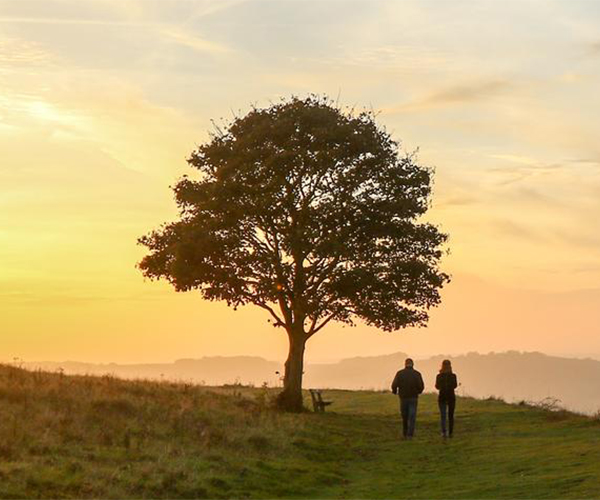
(89, 437)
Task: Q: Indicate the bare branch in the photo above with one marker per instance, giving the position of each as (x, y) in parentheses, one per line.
(314, 329)
(278, 320)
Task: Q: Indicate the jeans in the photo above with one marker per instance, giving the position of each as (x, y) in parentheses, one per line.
(447, 406)
(408, 410)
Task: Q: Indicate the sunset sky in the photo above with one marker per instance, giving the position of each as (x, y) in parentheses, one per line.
(101, 101)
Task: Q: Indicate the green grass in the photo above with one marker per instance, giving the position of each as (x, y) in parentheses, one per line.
(90, 437)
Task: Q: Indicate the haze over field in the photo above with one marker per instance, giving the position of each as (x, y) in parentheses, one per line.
(513, 376)
(101, 102)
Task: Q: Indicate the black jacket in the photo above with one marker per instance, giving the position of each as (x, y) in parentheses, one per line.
(408, 383)
(446, 383)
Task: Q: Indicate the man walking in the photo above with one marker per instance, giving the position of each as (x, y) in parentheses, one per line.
(408, 384)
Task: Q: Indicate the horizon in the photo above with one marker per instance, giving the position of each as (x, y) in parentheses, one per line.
(526, 376)
(417, 357)
(102, 101)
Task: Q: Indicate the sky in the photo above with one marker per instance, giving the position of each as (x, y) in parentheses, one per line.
(101, 102)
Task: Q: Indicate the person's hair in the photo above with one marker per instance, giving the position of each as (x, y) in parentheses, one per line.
(446, 366)
(409, 362)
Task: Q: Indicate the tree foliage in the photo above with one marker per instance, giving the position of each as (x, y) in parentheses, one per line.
(310, 212)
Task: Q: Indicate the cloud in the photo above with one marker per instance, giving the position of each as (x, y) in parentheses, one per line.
(129, 13)
(538, 197)
(52, 295)
(524, 160)
(394, 56)
(594, 48)
(586, 269)
(28, 113)
(17, 52)
(72, 21)
(193, 41)
(576, 238)
(144, 15)
(594, 162)
(206, 9)
(513, 229)
(586, 238)
(522, 167)
(455, 201)
(459, 94)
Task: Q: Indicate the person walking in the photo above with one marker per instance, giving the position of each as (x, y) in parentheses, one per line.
(446, 382)
(408, 384)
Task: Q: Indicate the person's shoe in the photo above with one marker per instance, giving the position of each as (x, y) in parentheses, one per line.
(444, 435)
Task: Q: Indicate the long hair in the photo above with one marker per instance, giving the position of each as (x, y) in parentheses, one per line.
(446, 366)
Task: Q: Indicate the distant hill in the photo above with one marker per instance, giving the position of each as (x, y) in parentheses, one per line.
(513, 376)
(214, 370)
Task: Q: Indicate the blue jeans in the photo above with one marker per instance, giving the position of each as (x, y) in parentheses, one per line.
(408, 410)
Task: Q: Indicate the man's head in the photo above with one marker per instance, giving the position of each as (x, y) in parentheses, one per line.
(409, 363)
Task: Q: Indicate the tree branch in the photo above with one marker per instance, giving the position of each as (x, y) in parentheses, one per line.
(314, 329)
(278, 321)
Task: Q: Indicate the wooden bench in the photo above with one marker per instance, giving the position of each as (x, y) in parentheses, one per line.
(317, 401)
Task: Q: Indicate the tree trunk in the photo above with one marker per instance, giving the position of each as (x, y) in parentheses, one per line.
(290, 399)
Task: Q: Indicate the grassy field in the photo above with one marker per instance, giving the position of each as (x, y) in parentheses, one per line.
(90, 437)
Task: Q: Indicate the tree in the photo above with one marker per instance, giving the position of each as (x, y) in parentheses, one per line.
(310, 212)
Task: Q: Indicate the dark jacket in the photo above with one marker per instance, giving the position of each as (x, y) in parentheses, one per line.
(446, 383)
(408, 383)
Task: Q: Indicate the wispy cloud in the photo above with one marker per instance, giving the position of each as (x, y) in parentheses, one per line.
(74, 21)
(193, 41)
(206, 9)
(17, 52)
(459, 94)
(394, 56)
(129, 14)
(519, 168)
(576, 237)
(516, 230)
(594, 48)
(455, 201)
(174, 33)
(588, 162)
(586, 237)
(184, 35)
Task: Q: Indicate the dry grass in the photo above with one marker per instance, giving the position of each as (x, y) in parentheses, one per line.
(60, 426)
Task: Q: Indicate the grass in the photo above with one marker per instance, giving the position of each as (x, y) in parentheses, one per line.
(90, 437)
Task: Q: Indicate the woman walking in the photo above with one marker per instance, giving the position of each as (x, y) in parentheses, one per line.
(446, 382)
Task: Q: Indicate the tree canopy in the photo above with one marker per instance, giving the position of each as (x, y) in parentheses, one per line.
(310, 212)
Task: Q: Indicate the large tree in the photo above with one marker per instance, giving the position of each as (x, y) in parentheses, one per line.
(310, 212)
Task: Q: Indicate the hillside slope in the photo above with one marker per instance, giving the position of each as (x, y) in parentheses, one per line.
(89, 437)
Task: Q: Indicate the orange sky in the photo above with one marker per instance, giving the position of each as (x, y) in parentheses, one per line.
(101, 102)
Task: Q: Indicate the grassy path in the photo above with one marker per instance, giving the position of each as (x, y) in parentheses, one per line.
(499, 451)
